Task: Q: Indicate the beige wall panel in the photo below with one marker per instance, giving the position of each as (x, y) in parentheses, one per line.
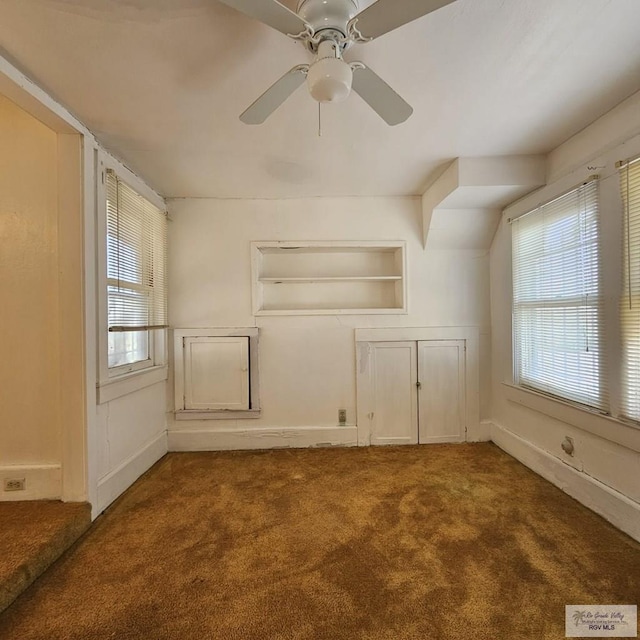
(29, 322)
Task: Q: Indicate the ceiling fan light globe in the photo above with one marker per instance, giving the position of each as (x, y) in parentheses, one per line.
(329, 80)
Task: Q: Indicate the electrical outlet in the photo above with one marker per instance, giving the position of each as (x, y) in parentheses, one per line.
(342, 416)
(14, 484)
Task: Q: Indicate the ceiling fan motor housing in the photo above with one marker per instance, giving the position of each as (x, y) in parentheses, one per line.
(327, 14)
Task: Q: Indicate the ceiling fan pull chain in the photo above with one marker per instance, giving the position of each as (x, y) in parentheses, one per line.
(319, 120)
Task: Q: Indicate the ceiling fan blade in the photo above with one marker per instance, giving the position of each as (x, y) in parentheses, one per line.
(271, 13)
(386, 15)
(275, 95)
(380, 96)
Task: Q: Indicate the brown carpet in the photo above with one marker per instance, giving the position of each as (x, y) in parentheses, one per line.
(32, 536)
(406, 543)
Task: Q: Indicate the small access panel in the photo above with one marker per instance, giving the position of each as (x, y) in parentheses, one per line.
(216, 373)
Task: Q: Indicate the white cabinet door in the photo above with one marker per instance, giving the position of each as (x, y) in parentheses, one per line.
(395, 401)
(216, 373)
(441, 373)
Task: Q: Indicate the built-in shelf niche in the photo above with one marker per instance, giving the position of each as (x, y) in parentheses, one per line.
(315, 278)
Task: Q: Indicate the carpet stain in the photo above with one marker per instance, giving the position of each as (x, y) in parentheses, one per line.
(403, 543)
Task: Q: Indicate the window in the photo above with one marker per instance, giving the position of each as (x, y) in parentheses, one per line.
(630, 300)
(557, 301)
(136, 276)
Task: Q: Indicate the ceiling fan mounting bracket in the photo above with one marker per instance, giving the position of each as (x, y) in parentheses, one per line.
(335, 36)
(303, 36)
(353, 33)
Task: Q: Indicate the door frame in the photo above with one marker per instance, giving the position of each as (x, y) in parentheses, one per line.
(476, 431)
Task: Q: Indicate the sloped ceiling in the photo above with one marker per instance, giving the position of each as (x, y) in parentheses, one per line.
(162, 82)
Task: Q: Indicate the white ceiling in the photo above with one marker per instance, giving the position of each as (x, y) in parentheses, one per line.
(161, 83)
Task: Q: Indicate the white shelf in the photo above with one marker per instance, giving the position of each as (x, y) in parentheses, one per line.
(324, 278)
(328, 312)
(288, 280)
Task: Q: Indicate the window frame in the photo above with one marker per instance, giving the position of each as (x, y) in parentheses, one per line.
(130, 367)
(122, 379)
(629, 294)
(603, 403)
(611, 427)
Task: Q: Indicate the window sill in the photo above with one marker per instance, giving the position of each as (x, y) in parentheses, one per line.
(603, 426)
(185, 414)
(131, 382)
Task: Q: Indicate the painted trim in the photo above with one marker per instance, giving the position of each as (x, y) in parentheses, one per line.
(107, 161)
(616, 127)
(30, 97)
(612, 505)
(42, 482)
(603, 165)
(417, 334)
(603, 426)
(225, 414)
(334, 312)
(263, 438)
(124, 385)
(124, 475)
(90, 165)
(224, 332)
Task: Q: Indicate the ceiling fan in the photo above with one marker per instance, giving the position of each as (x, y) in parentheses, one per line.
(328, 28)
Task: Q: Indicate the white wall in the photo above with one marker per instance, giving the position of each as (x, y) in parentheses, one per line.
(308, 363)
(605, 470)
(131, 437)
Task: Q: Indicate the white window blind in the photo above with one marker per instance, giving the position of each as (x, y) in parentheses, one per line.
(556, 298)
(630, 299)
(136, 260)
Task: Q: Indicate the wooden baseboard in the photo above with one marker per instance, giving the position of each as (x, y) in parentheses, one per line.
(122, 477)
(262, 438)
(612, 505)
